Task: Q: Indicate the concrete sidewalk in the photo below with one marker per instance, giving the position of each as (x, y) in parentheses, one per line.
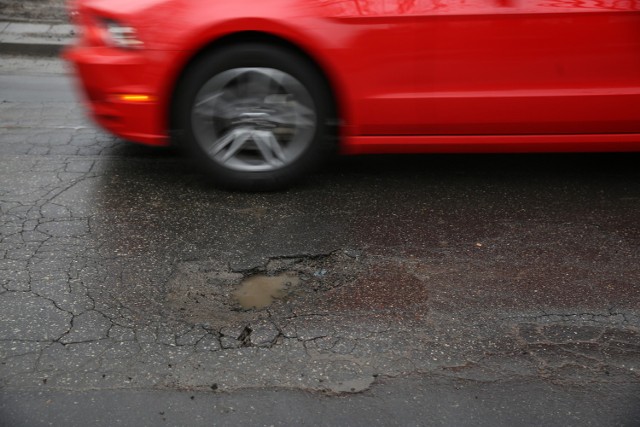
(17, 38)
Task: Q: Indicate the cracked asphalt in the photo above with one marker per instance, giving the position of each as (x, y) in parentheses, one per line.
(468, 275)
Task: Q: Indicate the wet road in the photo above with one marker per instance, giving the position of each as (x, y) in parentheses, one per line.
(120, 267)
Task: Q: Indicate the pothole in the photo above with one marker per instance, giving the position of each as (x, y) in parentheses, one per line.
(258, 292)
(210, 293)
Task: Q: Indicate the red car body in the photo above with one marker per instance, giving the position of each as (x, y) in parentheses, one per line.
(407, 75)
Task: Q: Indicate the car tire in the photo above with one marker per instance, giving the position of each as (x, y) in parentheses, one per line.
(256, 117)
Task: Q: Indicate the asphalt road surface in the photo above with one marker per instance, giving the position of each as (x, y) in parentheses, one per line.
(411, 290)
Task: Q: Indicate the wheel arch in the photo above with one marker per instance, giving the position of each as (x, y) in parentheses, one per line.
(256, 37)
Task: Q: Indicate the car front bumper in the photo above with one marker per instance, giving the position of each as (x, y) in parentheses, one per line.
(123, 91)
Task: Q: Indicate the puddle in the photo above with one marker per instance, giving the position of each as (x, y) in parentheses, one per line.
(261, 291)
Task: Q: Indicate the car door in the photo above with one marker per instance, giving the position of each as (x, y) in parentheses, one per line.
(491, 67)
(373, 45)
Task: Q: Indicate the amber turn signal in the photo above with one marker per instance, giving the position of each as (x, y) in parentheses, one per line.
(131, 97)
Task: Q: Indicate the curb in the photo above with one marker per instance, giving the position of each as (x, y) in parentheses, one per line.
(31, 49)
(34, 39)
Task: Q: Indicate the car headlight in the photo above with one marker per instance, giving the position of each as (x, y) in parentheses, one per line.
(121, 35)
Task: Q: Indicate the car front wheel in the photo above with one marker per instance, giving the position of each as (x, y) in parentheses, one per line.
(257, 117)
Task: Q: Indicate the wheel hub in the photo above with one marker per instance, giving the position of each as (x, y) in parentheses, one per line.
(254, 119)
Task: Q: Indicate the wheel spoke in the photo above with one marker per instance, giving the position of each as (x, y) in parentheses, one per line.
(275, 146)
(236, 145)
(206, 107)
(221, 143)
(269, 148)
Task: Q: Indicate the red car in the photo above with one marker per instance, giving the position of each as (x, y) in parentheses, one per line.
(261, 91)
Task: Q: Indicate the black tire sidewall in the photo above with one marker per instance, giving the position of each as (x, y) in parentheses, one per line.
(257, 55)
